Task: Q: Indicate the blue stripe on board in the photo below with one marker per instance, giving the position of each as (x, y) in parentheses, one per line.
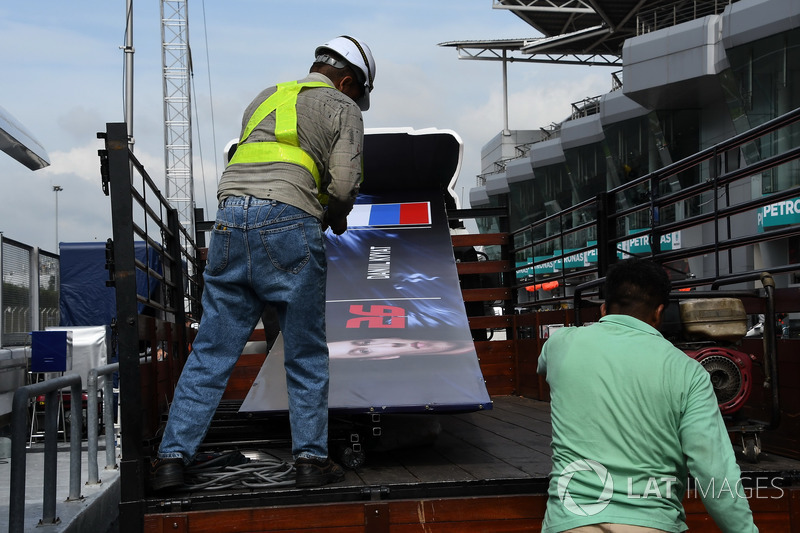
(382, 214)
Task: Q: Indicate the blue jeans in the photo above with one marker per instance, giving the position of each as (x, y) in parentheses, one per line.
(261, 251)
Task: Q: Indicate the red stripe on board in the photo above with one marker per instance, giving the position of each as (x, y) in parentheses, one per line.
(416, 213)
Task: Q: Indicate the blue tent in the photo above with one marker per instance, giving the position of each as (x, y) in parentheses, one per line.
(85, 299)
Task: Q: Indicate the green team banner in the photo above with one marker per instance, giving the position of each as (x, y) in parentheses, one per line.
(558, 261)
(779, 214)
(640, 244)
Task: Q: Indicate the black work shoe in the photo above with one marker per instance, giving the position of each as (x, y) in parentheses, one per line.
(166, 474)
(317, 472)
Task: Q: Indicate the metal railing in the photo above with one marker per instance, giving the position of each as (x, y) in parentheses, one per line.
(50, 389)
(601, 227)
(666, 16)
(586, 107)
(19, 437)
(152, 325)
(93, 422)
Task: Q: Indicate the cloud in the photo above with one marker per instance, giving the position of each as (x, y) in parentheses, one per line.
(64, 82)
(541, 104)
(81, 162)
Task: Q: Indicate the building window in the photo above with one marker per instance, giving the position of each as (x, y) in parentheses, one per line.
(767, 74)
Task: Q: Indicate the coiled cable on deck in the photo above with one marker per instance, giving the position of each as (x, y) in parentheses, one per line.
(234, 470)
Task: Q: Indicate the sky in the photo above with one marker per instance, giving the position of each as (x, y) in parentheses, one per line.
(62, 78)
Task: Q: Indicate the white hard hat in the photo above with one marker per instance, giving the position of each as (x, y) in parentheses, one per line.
(359, 56)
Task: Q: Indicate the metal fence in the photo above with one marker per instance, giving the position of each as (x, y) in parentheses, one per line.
(30, 291)
(50, 389)
(674, 13)
(153, 319)
(576, 245)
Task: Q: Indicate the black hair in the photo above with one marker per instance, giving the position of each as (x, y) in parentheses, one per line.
(635, 285)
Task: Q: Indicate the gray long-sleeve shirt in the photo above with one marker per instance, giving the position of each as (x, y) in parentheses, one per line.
(330, 129)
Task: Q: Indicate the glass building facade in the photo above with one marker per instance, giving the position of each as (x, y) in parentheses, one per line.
(670, 107)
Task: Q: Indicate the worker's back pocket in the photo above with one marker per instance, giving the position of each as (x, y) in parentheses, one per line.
(218, 249)
(287, 247)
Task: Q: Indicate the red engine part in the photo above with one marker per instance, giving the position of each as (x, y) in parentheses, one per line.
(731, 375)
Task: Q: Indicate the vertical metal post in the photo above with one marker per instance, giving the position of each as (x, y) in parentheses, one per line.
(75, 427)
(508, 278)
(712, 175)
(176, 270)
(506, 131)
(655, 215)
(606, 251)
(129, 72)
(57, 189)
(132, 472)
(108, 420)
(19, 419)
(771, 350)
(33, 295)
(51, 406)
(92, 426)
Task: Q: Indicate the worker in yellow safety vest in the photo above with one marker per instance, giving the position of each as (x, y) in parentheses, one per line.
(294, 172)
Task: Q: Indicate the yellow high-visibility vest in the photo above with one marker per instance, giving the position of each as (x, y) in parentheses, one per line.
(286, 147)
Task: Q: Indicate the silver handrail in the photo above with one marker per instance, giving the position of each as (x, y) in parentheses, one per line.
(19, 414)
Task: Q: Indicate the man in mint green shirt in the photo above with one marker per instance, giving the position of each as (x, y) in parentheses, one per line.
(634, 419)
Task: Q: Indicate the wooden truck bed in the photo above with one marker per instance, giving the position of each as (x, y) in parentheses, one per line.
(486, 471)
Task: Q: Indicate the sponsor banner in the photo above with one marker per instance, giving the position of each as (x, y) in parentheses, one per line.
(577, 260)
(397, 329)
(591, 255)
(555, 263)
(524, 272)
(551, 266)
(779, 214)
(641, 243)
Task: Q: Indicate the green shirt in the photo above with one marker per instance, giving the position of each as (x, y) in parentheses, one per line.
(633, 418)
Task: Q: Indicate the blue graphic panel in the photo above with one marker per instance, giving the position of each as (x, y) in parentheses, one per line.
(398, 333)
